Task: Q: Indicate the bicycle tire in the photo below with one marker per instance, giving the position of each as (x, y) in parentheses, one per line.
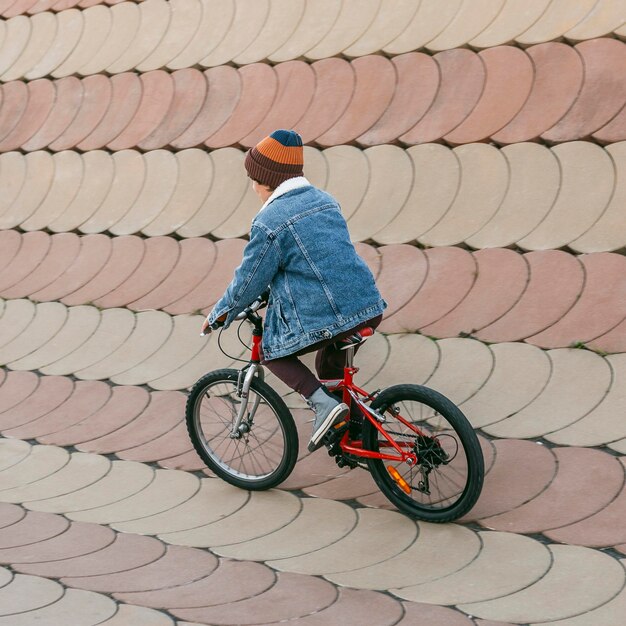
(212, 447)
(464, 488)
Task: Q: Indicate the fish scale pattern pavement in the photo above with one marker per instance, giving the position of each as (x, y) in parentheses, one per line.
(478, 150)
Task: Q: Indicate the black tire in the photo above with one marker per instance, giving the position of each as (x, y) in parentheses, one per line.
(262, 457)
(457, 478)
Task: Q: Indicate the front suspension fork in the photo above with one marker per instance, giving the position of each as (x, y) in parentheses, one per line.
(244, 383)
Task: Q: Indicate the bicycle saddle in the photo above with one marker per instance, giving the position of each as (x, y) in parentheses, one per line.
(355, 339)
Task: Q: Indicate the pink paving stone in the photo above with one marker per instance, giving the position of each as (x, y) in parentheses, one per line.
(14, 103)
(34, 248)
(508, 83)
(371, 256)
(417, 614)
(19, 7)
(178, 566)
(41, 97)
(223, 91)
(259, 85)
(501, 279)
(294, 93)
(544, 301)
(69, 98)
(557, 80)
(173, 442)
(10, 514)
(10, 242)
(613, 341)
(197, 256)
(21, 409)
(462, 79)
(352, 485)
(188, 461)
(95, 102)
(601, 96)
(31, 529)
(334, 86)
(127, 89)
(560, 504)
(373, 91)
(417, 77)
(292, 597)
(87, 397)
(190, 90)
(61, 254)
(156, 99)
(95, 252)
(127, 253)
(125, 405)
(614, 131)
(231, 581)
(601, 306)
(161, 255)
(125, 552)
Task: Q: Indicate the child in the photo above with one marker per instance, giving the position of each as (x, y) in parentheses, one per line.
(320, 289)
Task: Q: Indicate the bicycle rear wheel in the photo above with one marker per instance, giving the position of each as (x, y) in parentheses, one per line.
(448, 477)
(266, 449)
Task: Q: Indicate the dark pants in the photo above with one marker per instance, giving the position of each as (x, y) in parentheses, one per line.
(329, 362)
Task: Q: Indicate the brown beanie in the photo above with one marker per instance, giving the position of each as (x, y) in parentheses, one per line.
(276, 158)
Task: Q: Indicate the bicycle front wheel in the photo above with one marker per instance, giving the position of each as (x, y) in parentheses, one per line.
(265, 449)
(448, 477)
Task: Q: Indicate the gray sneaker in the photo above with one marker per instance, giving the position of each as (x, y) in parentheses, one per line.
(328, 412)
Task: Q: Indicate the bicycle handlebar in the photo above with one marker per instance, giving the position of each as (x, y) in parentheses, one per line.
(259, 303)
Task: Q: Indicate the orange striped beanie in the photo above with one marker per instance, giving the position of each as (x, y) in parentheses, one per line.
(276, 158)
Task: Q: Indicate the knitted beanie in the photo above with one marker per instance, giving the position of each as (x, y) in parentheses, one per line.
(276, 158)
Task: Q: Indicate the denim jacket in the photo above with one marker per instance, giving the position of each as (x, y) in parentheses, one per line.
(319, 286)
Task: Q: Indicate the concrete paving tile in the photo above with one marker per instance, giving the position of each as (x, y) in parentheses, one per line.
(32, 251)
(115, 327)
(614, 130)
(27, 593)
(12, 178)
(95, 252)
(604, 18)
(127, 614)
(385, 164)
(32, 528)
(18, 388)
(348, 486)
(423, 614)
(557, 19)
(291, 598)
(577, 594)
(463, 75)
(543, 303)
(259, 84)
(174, 442)
(14, 103)
(264, 512)
(157, 262)
(39, 464)
(128, 182)
(464, 218)
(17, 315)
(16, 37)
(335, 81)
(599, 99)
(10, 514)
(514, 18)
(237, 224)
(375, 83)
(595, 312)
(13, 452)
(417, 82)
(534, 179)
(68, 99)
(95, 102)
(613, 341)
(348, 190)
(400, 532)
(188, 461)
(17, 7)
(489, 575)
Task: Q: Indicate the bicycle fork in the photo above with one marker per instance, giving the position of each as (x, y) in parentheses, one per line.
(240, 426)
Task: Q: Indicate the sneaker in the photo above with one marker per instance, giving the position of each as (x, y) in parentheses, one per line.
(328, 412)
(356, 417)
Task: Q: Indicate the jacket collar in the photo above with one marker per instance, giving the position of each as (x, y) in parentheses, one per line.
(289, 185)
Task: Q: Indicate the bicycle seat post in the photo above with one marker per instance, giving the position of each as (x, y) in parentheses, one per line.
(350, 357)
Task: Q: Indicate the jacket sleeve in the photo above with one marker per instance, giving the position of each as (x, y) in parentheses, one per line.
(260, 263)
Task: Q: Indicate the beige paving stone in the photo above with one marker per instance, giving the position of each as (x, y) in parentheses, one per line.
(12, 177)
(484, 181)
(460, 545)
(604, 18)
(27, 593)
(470, 20)
(5, 577)
(138, 616)
(498, 397)
(41, 462)
(391, 180)
(238, 223)
(13, 451)
(130, 172)
(515, 17)
(116, 325)
(16, 36)
(579, 381)
(490, 575)
(265, 512)
(98, 172)
(559, 17)
(183, 24)
(572, 578)
(436, 180)
(305, 534)
(534, 181)
(248, 21)
(18, 314)
(315, 167)
(378, 535)
(348, 177)
(155, 16)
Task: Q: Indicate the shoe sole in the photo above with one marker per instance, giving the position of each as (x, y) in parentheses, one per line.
(339, 413)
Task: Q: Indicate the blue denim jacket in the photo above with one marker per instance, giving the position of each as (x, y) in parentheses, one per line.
(300, 246)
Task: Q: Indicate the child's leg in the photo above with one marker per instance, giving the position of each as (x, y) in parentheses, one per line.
(294, 374)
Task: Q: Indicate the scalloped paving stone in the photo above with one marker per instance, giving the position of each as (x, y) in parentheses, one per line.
(16, 317)
(10, 514)
(21, 387)
(557, 19)
(13, 451)
(26, 594)
(16, 36)
(32, 252)
(12, 178)
(32, 528)
(10, 242)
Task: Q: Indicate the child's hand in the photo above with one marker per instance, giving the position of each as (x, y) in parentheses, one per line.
(206, 328)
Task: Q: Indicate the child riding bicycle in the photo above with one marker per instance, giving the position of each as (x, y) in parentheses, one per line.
(320, 290)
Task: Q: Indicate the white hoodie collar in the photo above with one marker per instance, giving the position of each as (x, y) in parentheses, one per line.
(289, 185)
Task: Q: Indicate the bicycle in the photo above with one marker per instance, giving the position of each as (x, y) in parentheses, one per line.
(420, 449)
